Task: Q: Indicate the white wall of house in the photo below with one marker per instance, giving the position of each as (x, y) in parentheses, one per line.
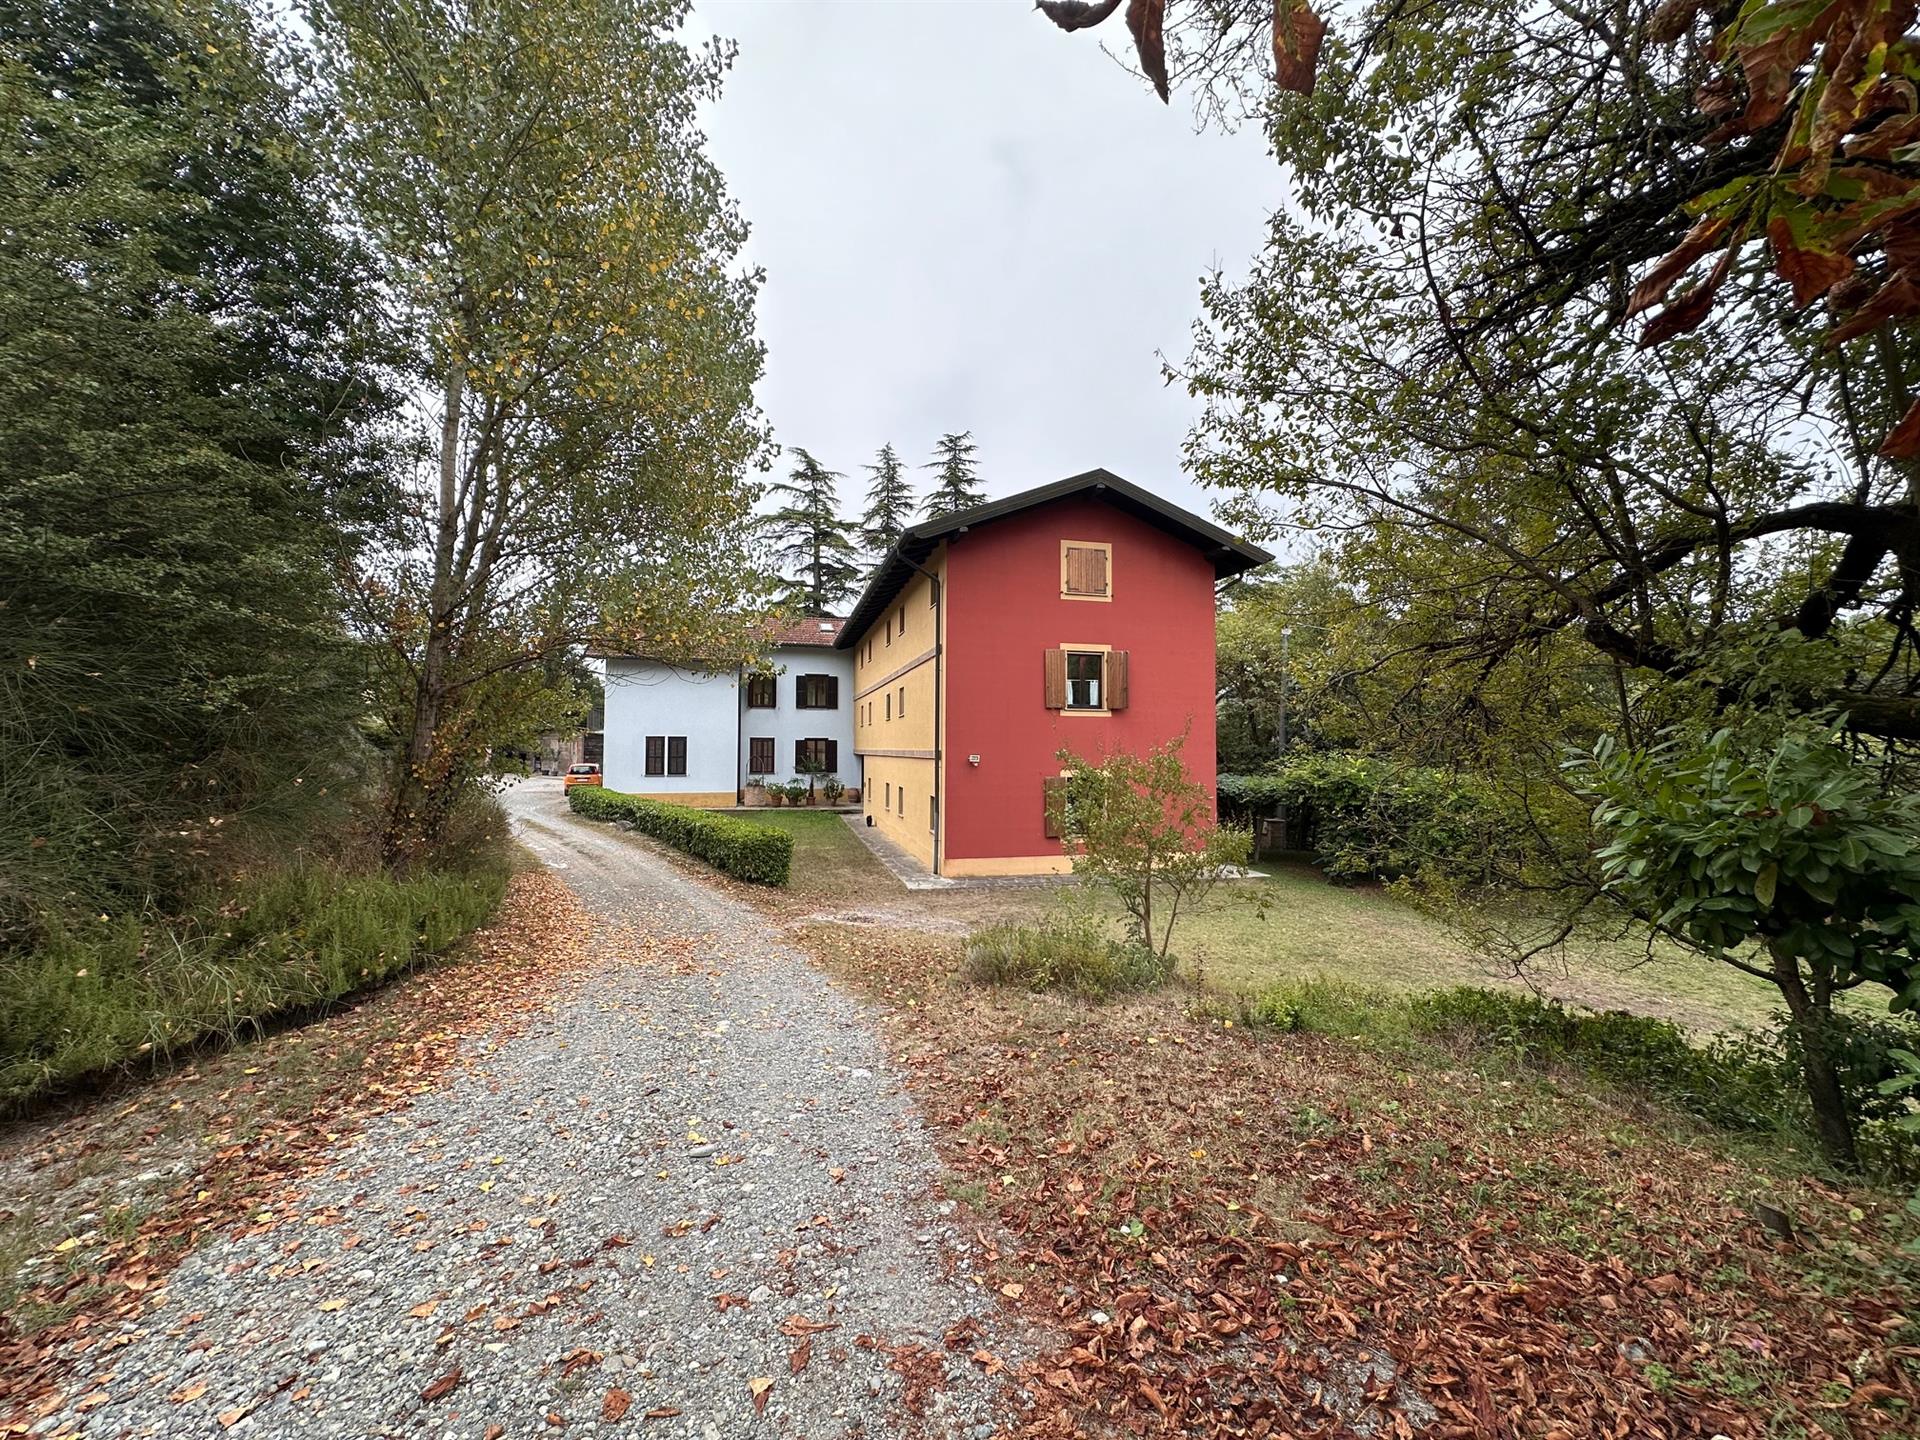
(647, 697)
(786, 723)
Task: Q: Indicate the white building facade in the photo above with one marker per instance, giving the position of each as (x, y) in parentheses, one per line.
(700, 738)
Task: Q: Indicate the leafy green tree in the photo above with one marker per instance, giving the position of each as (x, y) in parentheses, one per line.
(1784, 859)
(956, 479)
(565, 259)
(1142, 828)
(889, 501)
(189, 382)
(813, 543)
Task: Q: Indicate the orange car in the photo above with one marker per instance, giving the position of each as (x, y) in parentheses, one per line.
(581, 775)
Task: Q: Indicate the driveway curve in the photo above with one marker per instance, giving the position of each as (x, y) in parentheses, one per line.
(692, 1200)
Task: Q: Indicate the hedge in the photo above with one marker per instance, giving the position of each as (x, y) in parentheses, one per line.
(744, 850)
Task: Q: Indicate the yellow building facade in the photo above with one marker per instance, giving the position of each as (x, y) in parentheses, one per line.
(898, 726)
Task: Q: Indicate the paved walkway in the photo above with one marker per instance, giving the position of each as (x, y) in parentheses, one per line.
(696, 1186)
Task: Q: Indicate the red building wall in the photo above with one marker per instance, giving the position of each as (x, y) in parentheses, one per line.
(1004, 611)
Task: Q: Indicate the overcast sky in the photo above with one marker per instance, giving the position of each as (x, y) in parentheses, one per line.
(971, 220)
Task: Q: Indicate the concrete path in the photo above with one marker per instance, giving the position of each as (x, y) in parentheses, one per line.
(693, 1199)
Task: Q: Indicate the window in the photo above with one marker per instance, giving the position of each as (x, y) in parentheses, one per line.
(933, 812)
(903, 622)
(889, 705)
(817, 692)
(888, 804)
(901, 708)
(763, 692)
(1086, 570)
(1085, 672)
(760, 755)
(816, 755)
(1086, 679)
(666, 754)
(903, 802)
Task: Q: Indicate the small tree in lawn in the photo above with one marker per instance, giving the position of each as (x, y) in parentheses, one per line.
(1141, 827)
(1784, 859)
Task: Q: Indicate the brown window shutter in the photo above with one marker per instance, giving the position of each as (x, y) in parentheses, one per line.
(1116, 679)
(676, 755)
(1053, 798)
(1056, 686)
(656, 754)
(833, 692)
(1096, 572)
(833, 756)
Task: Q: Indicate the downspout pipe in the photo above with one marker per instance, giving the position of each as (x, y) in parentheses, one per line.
(939, 657)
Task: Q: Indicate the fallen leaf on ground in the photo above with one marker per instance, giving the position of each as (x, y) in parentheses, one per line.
(616, 1405)
(760, 1387)
(443, 1387)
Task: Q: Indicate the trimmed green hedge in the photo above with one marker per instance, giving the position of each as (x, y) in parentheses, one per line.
(744, 850)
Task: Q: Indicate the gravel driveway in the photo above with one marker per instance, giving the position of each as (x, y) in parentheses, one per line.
(693, 1187)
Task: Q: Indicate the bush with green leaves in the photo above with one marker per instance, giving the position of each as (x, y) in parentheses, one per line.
(745, 850)
(1365, 816)
(1776, 850)
(1141, 828)
(1069, 952)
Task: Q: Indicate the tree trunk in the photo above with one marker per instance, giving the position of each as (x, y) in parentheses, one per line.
(414, 807)
(1813, 1018)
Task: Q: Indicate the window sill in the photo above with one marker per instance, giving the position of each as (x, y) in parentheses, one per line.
(1102, 599)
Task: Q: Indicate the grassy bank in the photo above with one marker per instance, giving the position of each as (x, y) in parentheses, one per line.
(134, 988)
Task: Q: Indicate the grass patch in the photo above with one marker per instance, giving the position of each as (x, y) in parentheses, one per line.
(830, 865)
(138, 988)
(1069, 953)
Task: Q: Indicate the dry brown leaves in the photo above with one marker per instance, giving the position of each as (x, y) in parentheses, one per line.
(1226, 1229)
(356, 1065)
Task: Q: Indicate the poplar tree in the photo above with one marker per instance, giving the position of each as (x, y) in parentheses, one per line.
(889, 501)
(814, 544)
(956, 483)
(567, 260)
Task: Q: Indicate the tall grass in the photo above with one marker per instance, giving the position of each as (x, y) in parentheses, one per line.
(91, 997)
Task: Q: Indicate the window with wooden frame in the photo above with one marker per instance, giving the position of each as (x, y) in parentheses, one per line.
(889, 705)
(1053, 806)
(1086, 680)
(1086, 570)
(760, 755)
(901, 708)
(903, 802)
(888, 803)
(666, 755)
(816, 692)
(817, 755)
(763, 692)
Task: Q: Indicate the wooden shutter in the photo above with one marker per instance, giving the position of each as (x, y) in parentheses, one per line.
(833, 756)
(1116, 679)
(833, 692)
(1096, 572)
(656, 754)
(676, 755)
(1056, 686)
(1086, 570)
(1053, 800)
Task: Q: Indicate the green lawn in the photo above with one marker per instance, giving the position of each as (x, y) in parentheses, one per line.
(1293, 925)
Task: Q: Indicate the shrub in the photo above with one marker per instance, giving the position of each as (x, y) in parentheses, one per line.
(1732, 1083)
(1068, 953)
(741, 848)
(1366, 816)
(139, 987)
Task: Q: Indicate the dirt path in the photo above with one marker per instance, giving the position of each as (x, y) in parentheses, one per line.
(692, 1200)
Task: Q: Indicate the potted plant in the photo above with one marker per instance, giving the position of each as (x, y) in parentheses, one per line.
(757, 793)
(831, 790)
(796, 791)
